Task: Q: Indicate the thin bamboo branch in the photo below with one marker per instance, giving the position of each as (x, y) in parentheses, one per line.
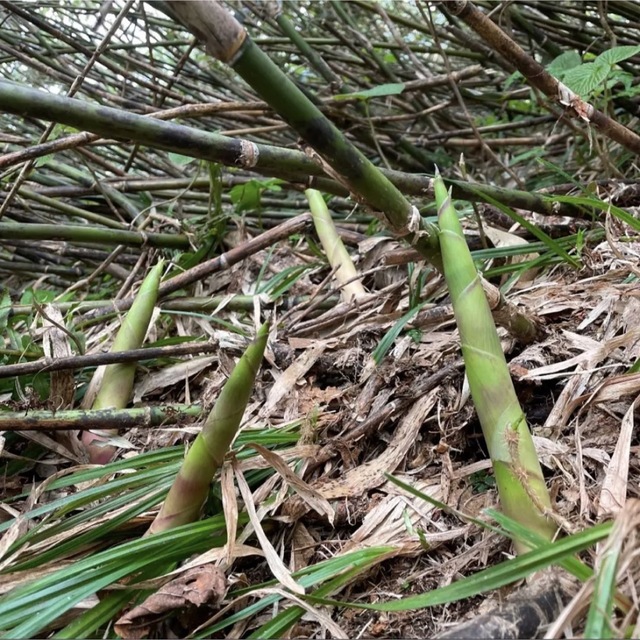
(539, 77)
(93, 235)
(71, 363)
(202, 304)
(224, 261)
(79, 420)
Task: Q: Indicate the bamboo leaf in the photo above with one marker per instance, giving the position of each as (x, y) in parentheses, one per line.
(390, 89)
(548, 241)
(489, 579)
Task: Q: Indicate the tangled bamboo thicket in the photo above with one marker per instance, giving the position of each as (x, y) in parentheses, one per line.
(135, 134)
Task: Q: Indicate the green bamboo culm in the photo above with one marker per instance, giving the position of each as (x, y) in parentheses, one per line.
(205, 456)
(117, 381)
(227, 40)
(521, 486)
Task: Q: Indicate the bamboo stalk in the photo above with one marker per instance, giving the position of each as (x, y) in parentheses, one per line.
(84, 420)
(184, 304)
(48, 365)
(93, 235)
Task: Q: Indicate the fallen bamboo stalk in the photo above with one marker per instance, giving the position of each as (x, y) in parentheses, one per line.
(84, 420)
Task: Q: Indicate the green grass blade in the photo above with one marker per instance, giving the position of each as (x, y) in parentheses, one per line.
(516, 531)
(605, 207)
(601, 608)
(489, 579)
(508, 527)
(281, 623)
(547, 240)
(308, 577)
(89, 621)
(25, 611)
(390, 337)
(145, 499)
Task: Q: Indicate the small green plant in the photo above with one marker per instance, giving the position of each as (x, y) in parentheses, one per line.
(247, 196)
(482, 481)
(592, 78)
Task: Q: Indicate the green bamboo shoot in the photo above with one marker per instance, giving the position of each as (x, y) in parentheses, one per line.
(117, 381)
(337, 255)
(205, 456)
(521, 486)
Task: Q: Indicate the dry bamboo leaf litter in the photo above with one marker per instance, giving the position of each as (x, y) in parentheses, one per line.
(371, 474)
(275, 562)
(311, 497)
(287, 379)
(613, 494)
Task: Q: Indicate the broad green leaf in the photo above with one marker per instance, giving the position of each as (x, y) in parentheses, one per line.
(44, 160)
(584, 79)
(624, 77)
(246, 197)
(42, 296)
(565, 61)
(618, 54)
(61, 130)
(513, 79)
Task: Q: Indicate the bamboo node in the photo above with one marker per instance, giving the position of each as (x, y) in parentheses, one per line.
(249, 154)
